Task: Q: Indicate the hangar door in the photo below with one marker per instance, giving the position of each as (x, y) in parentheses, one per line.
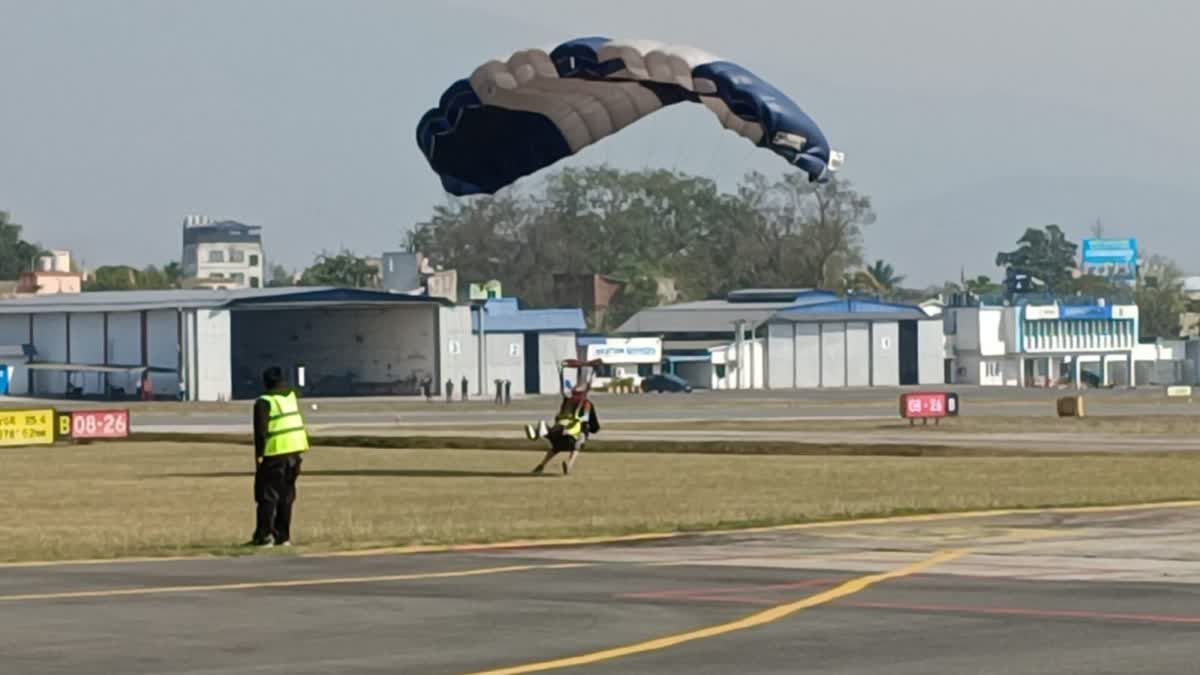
(372, 350)
(910, 365)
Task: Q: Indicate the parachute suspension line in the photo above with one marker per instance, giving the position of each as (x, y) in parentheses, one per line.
(745, 158)
(681, 145)
(653, 129)
(718, 142)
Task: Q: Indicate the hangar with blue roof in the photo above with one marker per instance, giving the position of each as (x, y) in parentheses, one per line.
(796, 338)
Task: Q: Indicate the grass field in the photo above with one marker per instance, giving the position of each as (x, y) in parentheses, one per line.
(124, 499)
(1146, 425)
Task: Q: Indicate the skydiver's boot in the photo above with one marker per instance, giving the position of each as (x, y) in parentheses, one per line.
(540, 431)
(542, 464)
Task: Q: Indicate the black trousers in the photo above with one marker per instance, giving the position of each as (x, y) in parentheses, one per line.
(275, 492)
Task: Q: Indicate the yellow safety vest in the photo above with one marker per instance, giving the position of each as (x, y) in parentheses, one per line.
(571, 422)
(285, 426)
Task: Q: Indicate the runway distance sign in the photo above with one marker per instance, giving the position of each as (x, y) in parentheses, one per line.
(84, 424)
(26, 427)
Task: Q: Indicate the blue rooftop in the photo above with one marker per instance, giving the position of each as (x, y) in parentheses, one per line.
(505, 316)
(850, 308)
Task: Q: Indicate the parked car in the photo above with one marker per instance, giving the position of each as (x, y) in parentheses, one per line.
(665, 382)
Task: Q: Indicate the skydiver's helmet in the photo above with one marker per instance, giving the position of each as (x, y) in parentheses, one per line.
(576, 396)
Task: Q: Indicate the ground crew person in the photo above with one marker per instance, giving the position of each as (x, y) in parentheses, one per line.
(279, 442)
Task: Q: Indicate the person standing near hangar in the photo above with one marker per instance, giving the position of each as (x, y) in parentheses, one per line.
(280, 441)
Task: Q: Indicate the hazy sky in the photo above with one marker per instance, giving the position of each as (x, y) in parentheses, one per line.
(964, 121)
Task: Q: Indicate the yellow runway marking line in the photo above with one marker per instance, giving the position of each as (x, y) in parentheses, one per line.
(963, 535)
(956, 515)
(468, 548)
(652, 536)
(287, 583)
(758, 619)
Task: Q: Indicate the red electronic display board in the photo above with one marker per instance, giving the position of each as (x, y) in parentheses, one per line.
(928, 405)
(99, 424)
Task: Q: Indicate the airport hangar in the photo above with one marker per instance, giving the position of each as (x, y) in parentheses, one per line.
(212, 345)
(795, 339)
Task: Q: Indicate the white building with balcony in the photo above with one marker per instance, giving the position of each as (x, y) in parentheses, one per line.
(1043, 345)
(224, 254)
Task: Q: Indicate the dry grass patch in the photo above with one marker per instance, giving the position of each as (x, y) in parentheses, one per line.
(1144, 425)
(125, 499)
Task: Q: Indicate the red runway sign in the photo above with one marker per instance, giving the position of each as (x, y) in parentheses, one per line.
(928, 405)
(99, 424)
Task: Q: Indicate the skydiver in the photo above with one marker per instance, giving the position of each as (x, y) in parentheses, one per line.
(575, 422)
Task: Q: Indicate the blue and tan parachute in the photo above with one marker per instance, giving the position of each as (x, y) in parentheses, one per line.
(512, 118)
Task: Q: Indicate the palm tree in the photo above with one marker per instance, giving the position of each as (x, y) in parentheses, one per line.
(981, 285)
(882, 277)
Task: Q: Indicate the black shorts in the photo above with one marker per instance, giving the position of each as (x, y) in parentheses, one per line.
(561, 442)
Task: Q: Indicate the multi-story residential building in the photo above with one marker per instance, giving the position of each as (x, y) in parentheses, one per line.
(223, 254)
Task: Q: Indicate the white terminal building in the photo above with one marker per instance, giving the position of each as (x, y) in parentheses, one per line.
(1047, 343)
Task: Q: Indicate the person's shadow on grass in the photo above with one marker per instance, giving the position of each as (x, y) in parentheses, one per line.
(388, 473)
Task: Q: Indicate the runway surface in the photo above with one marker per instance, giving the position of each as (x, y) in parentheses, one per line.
(871, 403)
(1066, 591)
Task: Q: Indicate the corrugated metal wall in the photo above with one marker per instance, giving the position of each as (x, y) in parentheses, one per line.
(807, 353)
(460, 350)
(213, 376)
(506, 361)
(552, 348)
(779, 369)
(858, 354)
(885, 354)
(931, 352)
(833, 355)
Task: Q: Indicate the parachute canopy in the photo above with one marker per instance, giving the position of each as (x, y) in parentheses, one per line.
(513, 118)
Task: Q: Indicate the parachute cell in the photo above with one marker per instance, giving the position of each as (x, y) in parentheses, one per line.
(512, 118)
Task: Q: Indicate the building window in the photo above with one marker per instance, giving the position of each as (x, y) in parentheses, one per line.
(236, 256)
(254, 260)
(216, 256)
(238, 277)
(253, 282)
(993, 369)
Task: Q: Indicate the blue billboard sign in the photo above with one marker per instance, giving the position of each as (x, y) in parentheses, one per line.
(3, 379)
(1113, 259)
(1079, 312)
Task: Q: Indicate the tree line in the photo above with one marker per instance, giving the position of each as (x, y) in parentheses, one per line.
(643, 227)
